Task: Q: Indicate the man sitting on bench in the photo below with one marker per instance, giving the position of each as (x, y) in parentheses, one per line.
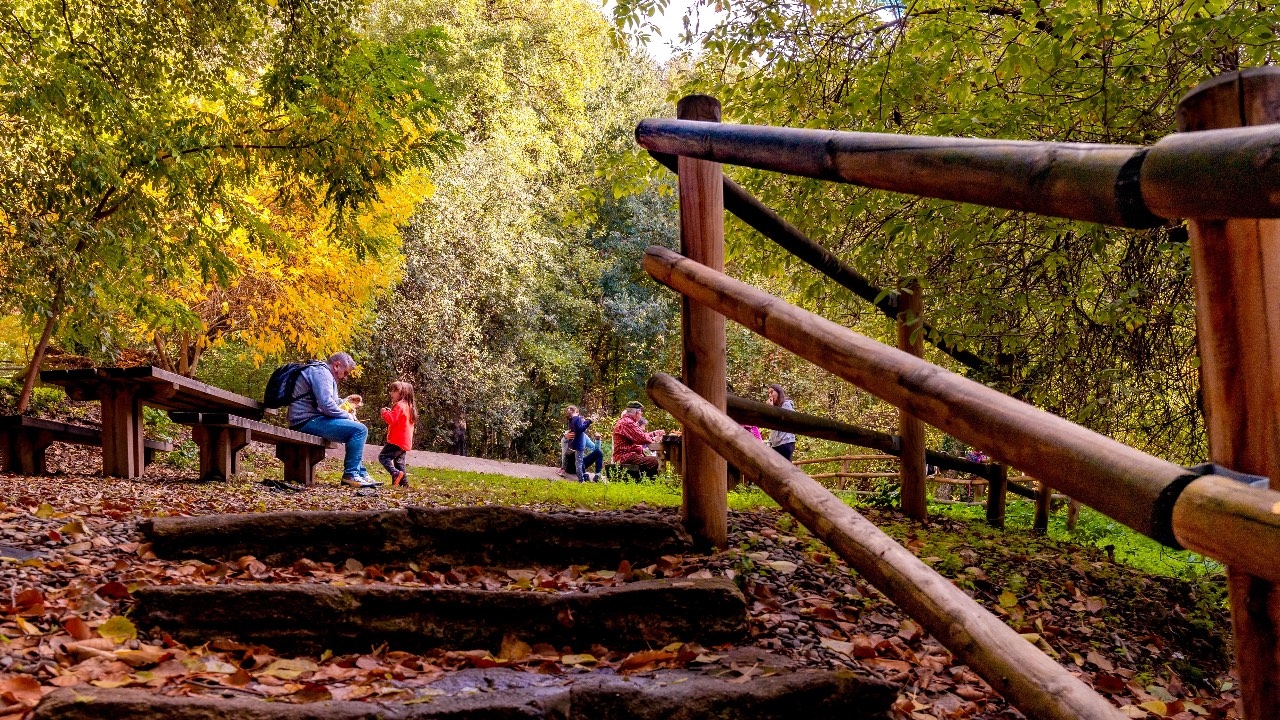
(630, 441)
(317, 409)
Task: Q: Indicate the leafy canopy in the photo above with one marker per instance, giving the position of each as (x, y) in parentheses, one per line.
(140, 140)
(1093, 323)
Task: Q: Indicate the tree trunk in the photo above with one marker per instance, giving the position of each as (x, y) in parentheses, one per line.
(33, 370)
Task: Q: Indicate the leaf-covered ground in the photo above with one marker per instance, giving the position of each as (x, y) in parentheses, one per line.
(1157, 646)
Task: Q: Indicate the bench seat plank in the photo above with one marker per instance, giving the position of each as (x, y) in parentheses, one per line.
(24, 441)
(220, 437)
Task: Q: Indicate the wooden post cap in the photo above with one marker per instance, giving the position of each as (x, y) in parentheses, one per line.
(1234, 99)
(698, 107)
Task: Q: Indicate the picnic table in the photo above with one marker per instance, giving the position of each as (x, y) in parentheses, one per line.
(124, 391)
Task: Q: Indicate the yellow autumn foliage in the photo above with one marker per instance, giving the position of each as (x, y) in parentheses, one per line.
(304, 293)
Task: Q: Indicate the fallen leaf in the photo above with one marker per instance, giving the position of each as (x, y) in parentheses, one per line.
(1108, 683)
(1008, 599)
(1155, 706)
(20, 690)
(1098, 660)
(514, 649)
(290, 669)
(75, 526)
(118, 629)
(583, 659)
(840, 646)
(638, 660)
(44, 512)
(311, 693)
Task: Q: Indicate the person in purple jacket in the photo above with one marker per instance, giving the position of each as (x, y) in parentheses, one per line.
(578, 426)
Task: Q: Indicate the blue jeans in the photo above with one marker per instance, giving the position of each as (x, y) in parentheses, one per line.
(348, 432)
(583, 460)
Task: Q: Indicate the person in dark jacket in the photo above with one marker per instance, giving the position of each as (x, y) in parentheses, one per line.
(782, 442)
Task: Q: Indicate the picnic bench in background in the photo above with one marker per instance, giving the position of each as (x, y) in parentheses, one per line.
(24, 440)
(221, 436)
(123, 392)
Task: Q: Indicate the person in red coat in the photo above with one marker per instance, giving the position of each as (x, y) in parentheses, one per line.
(400, 419)
(630, 440)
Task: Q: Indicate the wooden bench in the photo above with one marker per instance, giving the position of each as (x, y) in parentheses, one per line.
(24, 440)
(124, 391)
(221, 436)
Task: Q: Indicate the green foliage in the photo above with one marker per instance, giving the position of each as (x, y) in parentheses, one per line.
(132, 133)
(1091, 323)
(45, 401)
(521, 291)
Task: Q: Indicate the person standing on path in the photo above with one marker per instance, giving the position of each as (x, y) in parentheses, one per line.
(316, 409)
(458, 441)
(400, 419)
(783, 442)
(578, 426)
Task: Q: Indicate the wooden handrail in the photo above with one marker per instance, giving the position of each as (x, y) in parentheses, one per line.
(1125, 484)
(1150, 495)
(1212, 174)
(760, 414)
(842, 458)
(1037, 685)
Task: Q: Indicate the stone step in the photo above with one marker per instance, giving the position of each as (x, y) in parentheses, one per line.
(499, 694)
(493, 536)
(352, 618)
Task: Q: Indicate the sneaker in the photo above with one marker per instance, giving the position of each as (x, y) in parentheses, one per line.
(369, 482)
(400, 478)
(353, 481)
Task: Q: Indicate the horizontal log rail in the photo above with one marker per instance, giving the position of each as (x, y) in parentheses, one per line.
(761, 414)
(843, 458)
(768, 223)
(1036, 684)
(1211, 174)
(1125, 484)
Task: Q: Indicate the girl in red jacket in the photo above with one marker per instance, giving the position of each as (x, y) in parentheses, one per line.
(400, 418)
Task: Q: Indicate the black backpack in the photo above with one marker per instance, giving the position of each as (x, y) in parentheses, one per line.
(281, 385)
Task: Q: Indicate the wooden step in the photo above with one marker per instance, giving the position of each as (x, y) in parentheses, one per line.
(312, 618)
(507, 695)
(493, 536)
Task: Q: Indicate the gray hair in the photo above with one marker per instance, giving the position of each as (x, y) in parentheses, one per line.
(341, 361)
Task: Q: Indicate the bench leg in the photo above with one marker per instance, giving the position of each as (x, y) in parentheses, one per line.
(218, 449)
(122, 447)
(299, 463)
(148, 456)
(8, 452)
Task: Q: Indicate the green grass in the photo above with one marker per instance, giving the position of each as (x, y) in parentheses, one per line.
(467, 488)
(1094, 528)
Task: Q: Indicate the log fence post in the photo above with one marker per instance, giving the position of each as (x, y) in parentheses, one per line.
(911, 469)
(997, 487)
(1236, 270)
(705, 507)
(1044, 505)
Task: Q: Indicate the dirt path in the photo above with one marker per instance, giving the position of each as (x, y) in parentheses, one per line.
(444, 461)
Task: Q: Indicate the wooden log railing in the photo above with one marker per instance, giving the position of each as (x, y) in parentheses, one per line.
(1220, 172)
(845, 473)
(1124, 185)
(1036, 684)
(1125, 484)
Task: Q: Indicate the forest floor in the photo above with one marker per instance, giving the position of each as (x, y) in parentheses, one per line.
(70, 555)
